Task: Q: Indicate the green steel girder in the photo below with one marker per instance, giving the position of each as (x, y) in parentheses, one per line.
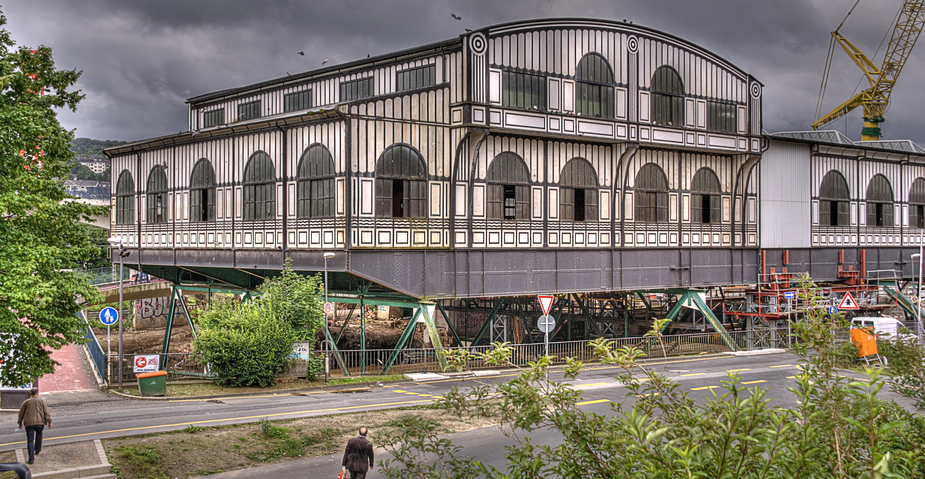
(694, 298)
(485, 325)
(346, 320)
(340, 360)
(409, 331)
(449, 324)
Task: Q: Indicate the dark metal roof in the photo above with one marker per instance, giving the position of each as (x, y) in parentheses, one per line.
(832, 137)
(327, 71)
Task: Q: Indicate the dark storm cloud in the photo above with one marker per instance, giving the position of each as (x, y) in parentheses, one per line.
(142, 59)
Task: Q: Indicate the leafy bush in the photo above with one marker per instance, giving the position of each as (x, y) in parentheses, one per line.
(248, 344)
(244, 345)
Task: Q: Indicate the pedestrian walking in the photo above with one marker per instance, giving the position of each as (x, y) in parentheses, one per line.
(34, 415)
(358, 457)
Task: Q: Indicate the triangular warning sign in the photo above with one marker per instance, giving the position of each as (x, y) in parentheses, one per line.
(546, 304)
(848, 302)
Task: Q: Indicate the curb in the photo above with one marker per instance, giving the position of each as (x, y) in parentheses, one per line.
(346, 388)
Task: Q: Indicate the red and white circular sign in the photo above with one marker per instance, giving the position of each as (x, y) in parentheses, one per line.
(141, 362)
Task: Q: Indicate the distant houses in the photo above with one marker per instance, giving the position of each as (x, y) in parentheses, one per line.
(88, 189)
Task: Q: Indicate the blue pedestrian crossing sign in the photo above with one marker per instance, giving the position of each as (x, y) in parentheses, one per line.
(109, 316)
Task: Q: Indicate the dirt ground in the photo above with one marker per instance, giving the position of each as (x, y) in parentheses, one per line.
(201, 451)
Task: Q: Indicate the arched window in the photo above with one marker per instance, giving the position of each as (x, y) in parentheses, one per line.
(202, 192)
(401, 183)
(833, 200)
(917, 204)
(578, 192)
(706, 205)
(594, 89)
(316, 183)
(667, 97)
(157, 196)
(125, 199)
(259, 187)
(508, 188)
(879, 202)
(651, 192)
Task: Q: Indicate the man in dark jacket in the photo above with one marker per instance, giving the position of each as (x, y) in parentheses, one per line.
(358, 457)
(34, 415)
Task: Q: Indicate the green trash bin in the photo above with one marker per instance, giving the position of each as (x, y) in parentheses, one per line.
(153, 383)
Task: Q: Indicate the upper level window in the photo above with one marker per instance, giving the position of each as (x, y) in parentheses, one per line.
(401, 183)
(722, 117)
(578, 192)
(213, 118)
(356, 89)
(259, 188)
(125, 199)
(594, 89)
(249, 110)
(879, 202)
(316, 183)
(706, 204)
(651, 194)
(667, 97)
(833, 200)
(300, 100)
(418, 77)
(508, 188)
(522, 90)
(917, 204)
(157, 196)
(202, 192)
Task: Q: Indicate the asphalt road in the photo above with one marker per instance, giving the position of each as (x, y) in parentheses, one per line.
(93, 415)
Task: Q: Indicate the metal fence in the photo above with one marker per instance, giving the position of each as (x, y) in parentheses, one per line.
(389, 361)
(96, 352)
(106, 275)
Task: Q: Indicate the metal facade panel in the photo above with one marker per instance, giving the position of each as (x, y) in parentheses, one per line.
(786, 204)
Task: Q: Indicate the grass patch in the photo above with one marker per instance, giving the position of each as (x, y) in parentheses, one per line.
(195, 452)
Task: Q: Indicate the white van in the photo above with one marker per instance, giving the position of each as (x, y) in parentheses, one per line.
(880, 325)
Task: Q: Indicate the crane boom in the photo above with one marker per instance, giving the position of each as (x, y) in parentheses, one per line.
(875, 99)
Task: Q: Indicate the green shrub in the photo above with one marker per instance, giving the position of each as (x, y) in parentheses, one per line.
(244, 345)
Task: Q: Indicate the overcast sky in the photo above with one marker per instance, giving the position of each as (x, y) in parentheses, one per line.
(142, 59)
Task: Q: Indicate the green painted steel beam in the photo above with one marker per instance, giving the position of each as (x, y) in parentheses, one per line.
(346, 320)
(449, 324)
(169, 328)
(409, 331)
(340, 360)
(373, 300)
(204, 289)
(485, 325)
(694, 298)
(428, 310)
(910, 308)
(189, 318)
(587, 313)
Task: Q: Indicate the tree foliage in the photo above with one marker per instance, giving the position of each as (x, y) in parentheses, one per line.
(249, 343)
(839, 427)
(40, 240)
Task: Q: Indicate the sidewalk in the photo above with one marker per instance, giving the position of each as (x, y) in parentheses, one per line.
(73, 374)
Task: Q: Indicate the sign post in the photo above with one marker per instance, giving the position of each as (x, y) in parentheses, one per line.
(108, 316)
(546, 323)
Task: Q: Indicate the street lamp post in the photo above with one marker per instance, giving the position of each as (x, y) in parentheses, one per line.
(327, 334)
(115, 242)
(918, 323)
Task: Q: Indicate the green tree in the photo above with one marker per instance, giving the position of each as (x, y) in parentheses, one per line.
(40, 238)
(81, 172)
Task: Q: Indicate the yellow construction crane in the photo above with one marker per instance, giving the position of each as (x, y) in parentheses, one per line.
(874, 100)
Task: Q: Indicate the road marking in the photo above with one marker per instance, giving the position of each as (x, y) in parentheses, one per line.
(230, 419)
(692, 374)
(705, 387)
(647, 395)
(737, 370)
(582, 386)
(781, 366)
(399, 391)
(755, 382)
(595, 401)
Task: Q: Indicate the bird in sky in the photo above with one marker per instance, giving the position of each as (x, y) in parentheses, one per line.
(455, 16)
(325, 62)
(300, 53)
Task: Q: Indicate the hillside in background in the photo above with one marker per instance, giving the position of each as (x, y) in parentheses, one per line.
(89, 146)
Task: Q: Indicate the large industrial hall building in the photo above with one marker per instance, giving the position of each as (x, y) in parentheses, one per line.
(581, 158)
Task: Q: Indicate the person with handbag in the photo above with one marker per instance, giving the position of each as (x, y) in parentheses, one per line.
(358, 456)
